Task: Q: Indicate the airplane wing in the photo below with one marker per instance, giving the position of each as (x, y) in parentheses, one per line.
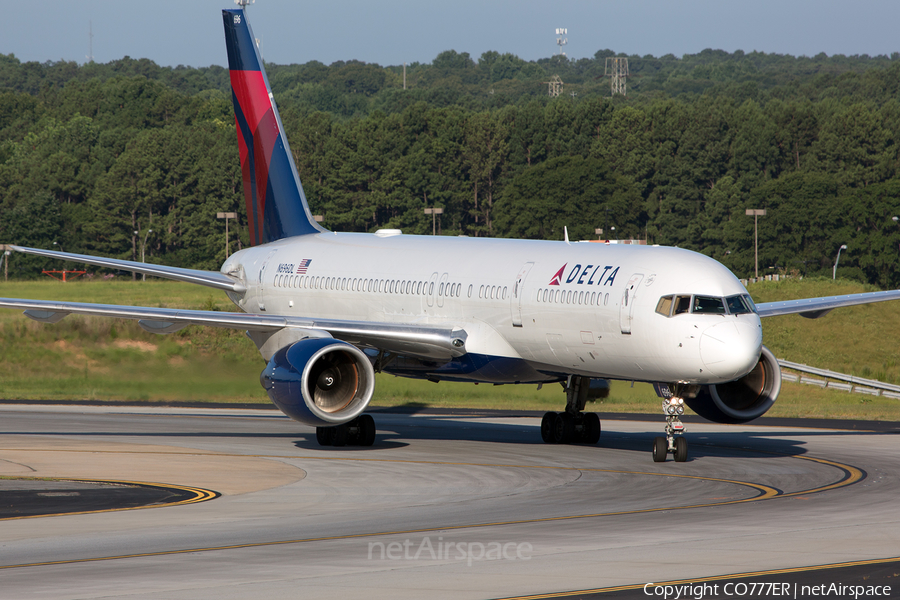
(425, 341)
(213, 279)
(813, 308)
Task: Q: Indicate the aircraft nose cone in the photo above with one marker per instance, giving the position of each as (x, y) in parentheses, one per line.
(730, 349)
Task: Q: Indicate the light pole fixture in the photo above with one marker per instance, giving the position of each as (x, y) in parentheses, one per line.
(834, 272)
(433, 212)
(756, 213)
(226, 216)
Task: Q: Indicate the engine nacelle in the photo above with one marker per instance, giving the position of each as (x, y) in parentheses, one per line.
(320, 381)
(743, 400)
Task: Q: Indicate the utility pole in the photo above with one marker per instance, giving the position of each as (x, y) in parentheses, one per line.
(756, 213)
(90, 56)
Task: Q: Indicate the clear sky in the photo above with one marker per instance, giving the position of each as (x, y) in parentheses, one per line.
(390, 32)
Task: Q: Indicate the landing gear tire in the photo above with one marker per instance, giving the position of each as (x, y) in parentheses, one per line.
(366, 436)
(547, 425)
(660, 449)
(591, 428)
(325, 435)
(681, 449)
(341, 435)
(358, 432)
(563, 428)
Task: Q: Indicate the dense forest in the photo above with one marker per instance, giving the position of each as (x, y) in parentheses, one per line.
(130, 158)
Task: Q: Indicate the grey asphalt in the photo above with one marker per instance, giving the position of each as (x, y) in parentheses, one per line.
(456, 506)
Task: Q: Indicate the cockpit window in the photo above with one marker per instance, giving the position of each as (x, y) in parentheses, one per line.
(708, 305)
(740, 305)
(664, 306)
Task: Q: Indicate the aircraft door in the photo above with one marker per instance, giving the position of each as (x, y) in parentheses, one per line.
(431, 289)
(261, 289)
(515, 302)
(626, 308)
(441, 289)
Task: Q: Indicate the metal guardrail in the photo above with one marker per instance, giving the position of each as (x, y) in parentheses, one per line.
(859, 385)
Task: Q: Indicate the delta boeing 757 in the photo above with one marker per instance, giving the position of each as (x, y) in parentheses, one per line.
(328, 310)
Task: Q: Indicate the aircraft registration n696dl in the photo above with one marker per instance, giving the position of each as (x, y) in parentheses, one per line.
(328, 310)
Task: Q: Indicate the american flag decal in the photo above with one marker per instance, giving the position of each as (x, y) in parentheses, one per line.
(304, 264)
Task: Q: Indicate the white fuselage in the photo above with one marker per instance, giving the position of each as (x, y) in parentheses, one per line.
(577, 308)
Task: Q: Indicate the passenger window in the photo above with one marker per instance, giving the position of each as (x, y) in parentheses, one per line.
(470, 290)
(708, 305)
(682, 305)
(664, 306)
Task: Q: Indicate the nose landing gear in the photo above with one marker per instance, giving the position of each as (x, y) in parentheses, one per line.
(673, 408)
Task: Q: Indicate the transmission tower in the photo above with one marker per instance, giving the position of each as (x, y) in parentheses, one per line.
(617, 71)
(561, 41)
(555, 86)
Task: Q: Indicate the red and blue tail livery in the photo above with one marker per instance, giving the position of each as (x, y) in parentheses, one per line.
(276, 205)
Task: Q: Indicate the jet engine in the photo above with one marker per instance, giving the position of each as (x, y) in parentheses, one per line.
(743, 400)
(320, 381)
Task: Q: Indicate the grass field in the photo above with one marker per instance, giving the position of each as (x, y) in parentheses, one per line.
(88, 358)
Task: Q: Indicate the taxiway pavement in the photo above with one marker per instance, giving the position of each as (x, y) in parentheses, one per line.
(440, 506)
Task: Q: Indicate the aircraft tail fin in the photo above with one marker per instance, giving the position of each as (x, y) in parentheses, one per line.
(276, 205)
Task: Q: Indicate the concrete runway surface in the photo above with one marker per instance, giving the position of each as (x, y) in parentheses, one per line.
(440, 506)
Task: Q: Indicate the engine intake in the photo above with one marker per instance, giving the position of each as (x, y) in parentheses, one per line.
(320, 381)
(743, 400)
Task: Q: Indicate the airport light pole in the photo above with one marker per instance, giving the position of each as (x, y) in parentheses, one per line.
(756, 213)
(226, 216)
(433, 212)
(834, 272)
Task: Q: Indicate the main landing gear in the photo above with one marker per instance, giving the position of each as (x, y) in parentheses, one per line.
(358, 432)
(572, 426)
(673, 443)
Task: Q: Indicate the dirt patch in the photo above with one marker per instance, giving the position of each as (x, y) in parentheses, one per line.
(136, 345)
